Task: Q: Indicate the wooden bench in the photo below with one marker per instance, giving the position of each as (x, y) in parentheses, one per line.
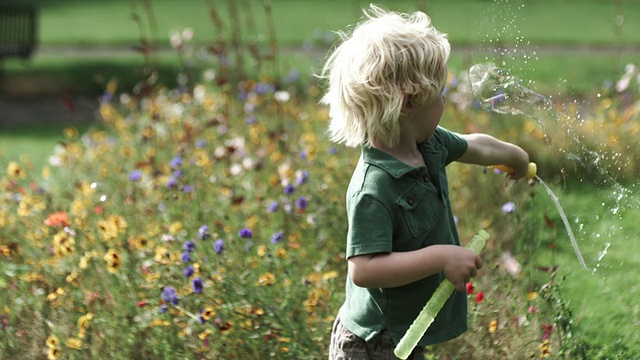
(18, 27)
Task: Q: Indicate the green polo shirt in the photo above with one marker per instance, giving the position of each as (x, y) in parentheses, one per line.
(392, 206)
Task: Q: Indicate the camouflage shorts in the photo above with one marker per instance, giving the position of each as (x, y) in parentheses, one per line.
(345, 345)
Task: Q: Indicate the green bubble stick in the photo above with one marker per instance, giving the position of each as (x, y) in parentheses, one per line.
(433, 306)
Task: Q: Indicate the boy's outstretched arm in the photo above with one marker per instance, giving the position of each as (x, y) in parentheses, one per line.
(486, 150)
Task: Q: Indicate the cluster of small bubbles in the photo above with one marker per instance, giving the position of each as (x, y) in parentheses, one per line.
(498, 91)
(97, 189)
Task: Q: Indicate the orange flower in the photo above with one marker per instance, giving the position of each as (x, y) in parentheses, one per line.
(57, 219)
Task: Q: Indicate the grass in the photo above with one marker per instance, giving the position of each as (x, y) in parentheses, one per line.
(604, 298)
(541, 22)
(524, 28)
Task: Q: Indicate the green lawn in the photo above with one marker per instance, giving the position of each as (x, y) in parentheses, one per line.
(603, 298)
(475, 29)
(467, 21)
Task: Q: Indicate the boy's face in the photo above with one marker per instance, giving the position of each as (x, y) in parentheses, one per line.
(425, 118)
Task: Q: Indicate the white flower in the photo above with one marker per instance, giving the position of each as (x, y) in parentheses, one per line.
(282, 96)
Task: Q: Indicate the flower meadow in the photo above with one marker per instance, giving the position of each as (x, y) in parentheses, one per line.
(208, 221)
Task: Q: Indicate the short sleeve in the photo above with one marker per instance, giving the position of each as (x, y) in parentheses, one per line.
(370, 226)
(453, 142)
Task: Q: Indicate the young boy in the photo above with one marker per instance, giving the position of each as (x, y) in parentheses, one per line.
(385, 84)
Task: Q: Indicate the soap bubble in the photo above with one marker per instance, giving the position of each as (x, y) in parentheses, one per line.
(499, 91)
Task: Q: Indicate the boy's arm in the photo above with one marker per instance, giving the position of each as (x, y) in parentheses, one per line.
(486, 150)
(386, 270)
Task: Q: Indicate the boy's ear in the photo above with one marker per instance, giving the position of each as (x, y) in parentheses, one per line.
(407, 104)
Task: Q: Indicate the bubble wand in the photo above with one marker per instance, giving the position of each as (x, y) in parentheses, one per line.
(433, 306)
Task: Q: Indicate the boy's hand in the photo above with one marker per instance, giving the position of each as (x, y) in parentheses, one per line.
(461, 265)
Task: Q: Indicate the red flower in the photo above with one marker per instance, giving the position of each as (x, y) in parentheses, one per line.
(479, 297)
(470, 288)
(142, 303)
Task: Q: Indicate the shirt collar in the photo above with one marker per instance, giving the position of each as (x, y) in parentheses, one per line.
(390, 164)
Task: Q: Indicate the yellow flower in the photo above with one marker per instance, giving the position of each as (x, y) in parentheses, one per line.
(139, 242)
(15, 171)
(83, 323)
(107, 230)
(84, 261)
(267, 279)
(74, 343)
(532, 295)
(158, 322)
(203, 335)
(262, 250)
(70, 133)
(63, 243)
(112, 257)
(53, 353)
(72, 277)
(208, 313)
(282, 253)
(52, 342)
(493, 326)
(330, 275)
(176, 227)
(54, 295)
(545, 349)
(5, 250)
(32, 276)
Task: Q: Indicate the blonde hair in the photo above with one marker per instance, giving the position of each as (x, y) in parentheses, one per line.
(387, 56)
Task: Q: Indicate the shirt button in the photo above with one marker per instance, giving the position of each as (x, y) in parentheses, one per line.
(410, 201)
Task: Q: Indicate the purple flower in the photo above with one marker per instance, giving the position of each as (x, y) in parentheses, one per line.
(218, 246)
(188, 271)
(200, 144)
(245, 233)
(303, 177)
(187, 189)
(293, 76)
(302, 203)
(304, 154)
(251, 120)
(277, 237)
(273, 206)
(203, 232)
(170, 295)
(176, 162)
(289, 189)
(196, 284)
(333, 151)
(189, 245)
(508, 207)
(135, 175)
(163, 308)
(185, 257)
(248, 245)
(172, 182)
